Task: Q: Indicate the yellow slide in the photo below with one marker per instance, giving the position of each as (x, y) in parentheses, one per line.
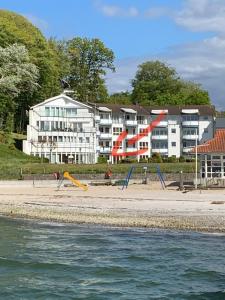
(75, 181)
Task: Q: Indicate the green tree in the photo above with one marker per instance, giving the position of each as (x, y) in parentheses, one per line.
(89, 59)
(17, 74)
(15, 28)
(120, 98)
(156, 83)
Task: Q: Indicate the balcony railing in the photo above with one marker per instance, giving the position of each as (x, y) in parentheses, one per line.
(105, 135)
(190, 123)
(190, 136)
(160, 137)
(131, 122)
(105, 149)
(187, 149)
(105, 121)
(160, 150)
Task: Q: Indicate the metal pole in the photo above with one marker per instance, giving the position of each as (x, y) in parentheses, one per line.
(196, 160)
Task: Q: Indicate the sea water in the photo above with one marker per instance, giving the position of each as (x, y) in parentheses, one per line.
(40, 260)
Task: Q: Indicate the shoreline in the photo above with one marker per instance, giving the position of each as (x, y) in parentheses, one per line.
(144, 206)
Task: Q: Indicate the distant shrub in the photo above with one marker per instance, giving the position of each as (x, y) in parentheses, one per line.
(172, 159)
(156, 158)
(128, 161)
(182, 159)
(143, 160)
(102, 160)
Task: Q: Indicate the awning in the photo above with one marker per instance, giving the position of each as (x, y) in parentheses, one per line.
(159, 111)
(104, 109)
(190, 111)
(129, 110)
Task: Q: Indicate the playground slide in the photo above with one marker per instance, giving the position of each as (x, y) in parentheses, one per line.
(75, 181)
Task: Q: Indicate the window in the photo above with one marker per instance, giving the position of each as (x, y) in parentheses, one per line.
(190, 117)
(71, 112)
(117, 130)
(80, 140)
(206, 130)
(189, 144)
(47, 111)
(143, 132)
(159, 131)
(159, 144)
(174, 144)
(87, 140)
(143, 145)
(117, 145)
(205, 118)
(141, 119)
(173, 130)
(190, 131)
(60, 139)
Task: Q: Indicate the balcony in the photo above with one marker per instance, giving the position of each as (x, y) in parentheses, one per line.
(97, 119)
(131, 149)
(190, 123)
(190, 136)
(161, 151)
(130, 136)
(105, 149)
(159, 137)
(161, 123)
(106, 122)
(105, 136)
(131, 122)
(187, 149)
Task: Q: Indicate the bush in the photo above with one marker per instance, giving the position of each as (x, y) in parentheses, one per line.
(102, 160)
(156, 158)
(172, 159)
(128, 161)
(143, 160)
(181, 159)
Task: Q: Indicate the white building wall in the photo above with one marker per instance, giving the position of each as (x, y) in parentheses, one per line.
(86, 145)
(64, 133)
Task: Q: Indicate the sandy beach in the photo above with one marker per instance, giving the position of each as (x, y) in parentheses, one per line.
(139, 205)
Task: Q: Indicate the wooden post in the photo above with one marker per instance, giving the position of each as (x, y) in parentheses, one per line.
(181, 181)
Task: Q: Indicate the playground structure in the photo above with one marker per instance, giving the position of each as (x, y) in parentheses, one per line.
(129, 174)
(75, 182)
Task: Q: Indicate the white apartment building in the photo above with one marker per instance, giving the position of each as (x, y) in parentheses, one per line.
(62, 130)
(67, 131)
(175, 135)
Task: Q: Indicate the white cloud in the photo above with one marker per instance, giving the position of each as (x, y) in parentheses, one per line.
(117, 11)
(157, 12)
(202, 15)
(40, 23)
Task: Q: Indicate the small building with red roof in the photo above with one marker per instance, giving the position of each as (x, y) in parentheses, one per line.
(212, 156)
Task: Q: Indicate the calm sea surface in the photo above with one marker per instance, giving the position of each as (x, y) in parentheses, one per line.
(57, 261)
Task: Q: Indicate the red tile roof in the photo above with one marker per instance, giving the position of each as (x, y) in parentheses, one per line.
(215, 145)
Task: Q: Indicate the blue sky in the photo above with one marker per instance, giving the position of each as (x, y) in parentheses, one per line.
(187, 34)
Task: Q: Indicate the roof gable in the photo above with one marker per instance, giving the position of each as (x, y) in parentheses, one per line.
(64, 100)
(215, 145)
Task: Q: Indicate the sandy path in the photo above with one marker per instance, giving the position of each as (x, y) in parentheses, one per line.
(139, 205)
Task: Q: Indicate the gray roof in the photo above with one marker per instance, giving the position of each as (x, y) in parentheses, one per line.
(146, 110)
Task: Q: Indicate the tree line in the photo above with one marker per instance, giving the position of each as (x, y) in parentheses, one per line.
(31, 67)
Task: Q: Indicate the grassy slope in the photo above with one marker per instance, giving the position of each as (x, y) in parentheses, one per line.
(13, 160)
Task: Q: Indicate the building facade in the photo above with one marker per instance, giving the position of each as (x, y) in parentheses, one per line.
(175, 135)
(67, 131)
(62, 130)
(212, 156)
